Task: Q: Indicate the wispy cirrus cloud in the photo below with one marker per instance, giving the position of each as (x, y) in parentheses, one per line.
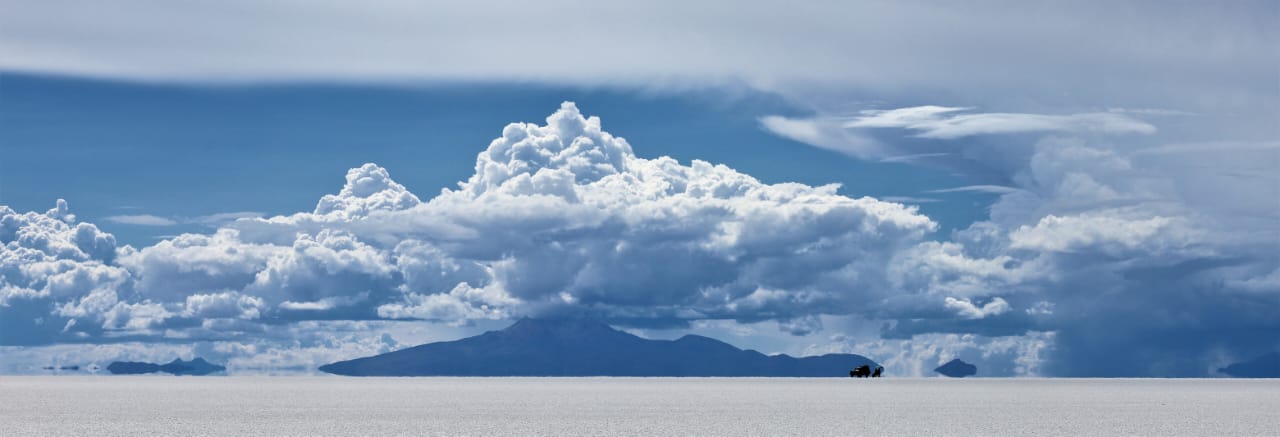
(915, 158)
(991, 189)
(222, 218)
(855, 136)
(941, 122)
(910, 199)
(141, 220)
(159, 221)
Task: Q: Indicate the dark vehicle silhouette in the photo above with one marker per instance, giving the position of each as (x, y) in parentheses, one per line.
(862, 371)
(866, 372)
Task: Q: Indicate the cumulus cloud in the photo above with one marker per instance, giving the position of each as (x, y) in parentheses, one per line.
(1102, 221)
(368, 188)
(560, 217)
(969, 310)
(51, 266)
(227, 304)
(459, 305)
(1093, 239)
(1101, 232)
(196, 264)
(565, 218)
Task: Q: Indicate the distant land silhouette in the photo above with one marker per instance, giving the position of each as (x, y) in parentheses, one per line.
(72, 368)
(957, 369)
(197, 367)
(1266, 366)
(583, 347)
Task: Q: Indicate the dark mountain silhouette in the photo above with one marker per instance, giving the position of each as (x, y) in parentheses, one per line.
(957, 369)
(578, 347)
(197, 366)
(1266, 366)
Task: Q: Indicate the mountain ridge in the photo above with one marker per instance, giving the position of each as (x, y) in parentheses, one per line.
(586, 347)
(196, 367)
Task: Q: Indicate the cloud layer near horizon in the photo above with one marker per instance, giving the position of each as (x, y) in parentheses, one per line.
(559, 218)
(564, 218)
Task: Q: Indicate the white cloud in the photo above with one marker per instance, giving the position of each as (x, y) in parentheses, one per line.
(826, 133)
(198, 264)
(137, 317)
(969, 310)
(212, 220)
(1099, 242)
(463, 303)
(953, 268)
(909, 199)
(222, 218)
(141, 220)
(917, 357)
(913, 158)
(1132, 52)
(992, 189)
(323, 272)
(369, 188)
(228, 304)
(52, 268)
(939, 122)
(801, 325)
(219, 218)
(564, 218)
(853, 136)
(561, 217)
(1155, 235)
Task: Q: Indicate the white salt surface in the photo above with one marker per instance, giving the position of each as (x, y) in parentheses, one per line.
(167, 405)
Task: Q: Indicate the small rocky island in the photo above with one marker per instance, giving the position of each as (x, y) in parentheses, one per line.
(957, 369)
(64, 368)
(195, 367)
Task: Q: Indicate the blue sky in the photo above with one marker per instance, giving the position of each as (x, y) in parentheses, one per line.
(1041, 188)
(191, 151)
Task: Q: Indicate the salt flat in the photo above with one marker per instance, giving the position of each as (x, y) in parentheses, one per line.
(166, 405)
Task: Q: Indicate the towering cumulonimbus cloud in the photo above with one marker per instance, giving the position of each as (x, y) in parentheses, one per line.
(564, 218)
(1134, 253)
(558, 218)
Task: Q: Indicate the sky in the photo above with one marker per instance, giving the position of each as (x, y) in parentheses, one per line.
(1039, 188)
